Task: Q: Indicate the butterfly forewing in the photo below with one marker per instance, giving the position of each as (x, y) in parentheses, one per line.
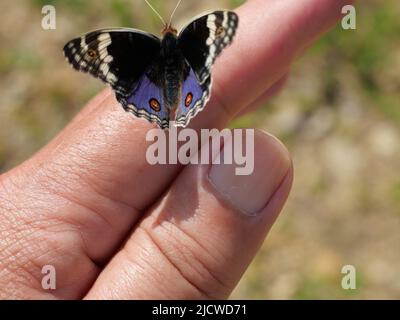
(117, 56)
(203, 40)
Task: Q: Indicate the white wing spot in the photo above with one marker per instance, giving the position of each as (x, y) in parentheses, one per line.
(108, 59)
(111, 78)
(84, 45)
(104, 68)
(104, 38)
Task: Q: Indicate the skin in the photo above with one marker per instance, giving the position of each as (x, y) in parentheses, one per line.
(115, 227)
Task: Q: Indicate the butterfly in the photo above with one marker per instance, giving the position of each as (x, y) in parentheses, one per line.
(160, 80)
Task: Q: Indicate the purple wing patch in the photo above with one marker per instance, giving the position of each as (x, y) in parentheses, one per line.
(147, 101)
(194, 99)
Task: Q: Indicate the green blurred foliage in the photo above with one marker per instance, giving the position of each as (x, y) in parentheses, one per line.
(370, 49)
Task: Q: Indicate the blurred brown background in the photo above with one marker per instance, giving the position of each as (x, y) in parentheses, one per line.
(339, 116)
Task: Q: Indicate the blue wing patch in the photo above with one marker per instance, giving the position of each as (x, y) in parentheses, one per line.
(194, 98)
(147, 101)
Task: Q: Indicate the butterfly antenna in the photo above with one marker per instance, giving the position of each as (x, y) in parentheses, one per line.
(173, 12)
(156, 12)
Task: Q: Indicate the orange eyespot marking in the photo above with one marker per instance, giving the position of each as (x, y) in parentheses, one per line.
(155, 105)
(92, 54)
(189, 99)
(220, 32)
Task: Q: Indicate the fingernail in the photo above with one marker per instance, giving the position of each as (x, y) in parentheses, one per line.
(250, 194)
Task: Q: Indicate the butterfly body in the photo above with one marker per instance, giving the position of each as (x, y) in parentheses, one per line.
(174, 69)
(160, 80)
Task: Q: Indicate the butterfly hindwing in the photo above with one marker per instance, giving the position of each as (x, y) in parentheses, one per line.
(204, 39)
(147, 101)
(194, 97)
(117, 56)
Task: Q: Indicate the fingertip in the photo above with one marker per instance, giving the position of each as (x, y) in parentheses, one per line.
(249, 191)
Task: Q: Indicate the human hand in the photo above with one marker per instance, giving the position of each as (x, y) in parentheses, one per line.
(115, 227)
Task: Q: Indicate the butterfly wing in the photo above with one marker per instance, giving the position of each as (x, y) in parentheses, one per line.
(117, 56)
(194, 98)
(122, 58)
(147, 101)
(201, 42)
(204, 39)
